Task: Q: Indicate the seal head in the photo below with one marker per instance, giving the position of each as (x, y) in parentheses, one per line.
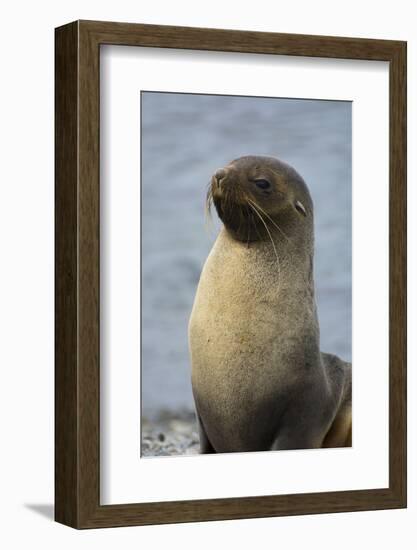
(252, 190)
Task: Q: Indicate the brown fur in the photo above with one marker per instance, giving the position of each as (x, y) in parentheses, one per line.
(259, 379)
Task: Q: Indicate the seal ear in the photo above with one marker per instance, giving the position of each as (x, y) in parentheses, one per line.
(300, 208)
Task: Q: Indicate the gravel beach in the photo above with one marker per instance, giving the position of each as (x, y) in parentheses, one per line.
(170, 434)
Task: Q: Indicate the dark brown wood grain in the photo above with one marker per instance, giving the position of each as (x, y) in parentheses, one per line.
(66, 238)
(77, 371)
(398, 272)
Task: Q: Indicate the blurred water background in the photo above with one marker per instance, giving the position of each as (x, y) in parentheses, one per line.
(184, 139)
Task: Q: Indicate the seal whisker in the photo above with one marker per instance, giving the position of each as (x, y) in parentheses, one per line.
(207, 210)
(209, 202)
(269, 217)
(250, 218)
(272, 241)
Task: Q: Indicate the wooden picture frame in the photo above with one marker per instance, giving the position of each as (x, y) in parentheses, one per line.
(77, 363)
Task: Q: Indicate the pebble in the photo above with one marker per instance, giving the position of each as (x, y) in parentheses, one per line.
(170, 434)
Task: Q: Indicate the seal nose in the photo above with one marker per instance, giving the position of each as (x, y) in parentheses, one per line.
(219, 175)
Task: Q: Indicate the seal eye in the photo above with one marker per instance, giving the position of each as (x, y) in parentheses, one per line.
(262, 184)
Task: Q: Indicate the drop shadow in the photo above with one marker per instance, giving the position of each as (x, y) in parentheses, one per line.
(45, 510)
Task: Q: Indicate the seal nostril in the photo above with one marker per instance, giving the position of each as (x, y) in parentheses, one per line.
(220, 174)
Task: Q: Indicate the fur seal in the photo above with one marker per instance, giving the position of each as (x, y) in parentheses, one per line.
(259, 379)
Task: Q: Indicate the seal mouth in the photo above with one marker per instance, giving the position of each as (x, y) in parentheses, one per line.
(238, 211)
(242, 200)
(229, 200)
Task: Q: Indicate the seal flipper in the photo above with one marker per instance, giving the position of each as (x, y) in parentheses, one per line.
(205, 446)
(298, 433)
(340, 374)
